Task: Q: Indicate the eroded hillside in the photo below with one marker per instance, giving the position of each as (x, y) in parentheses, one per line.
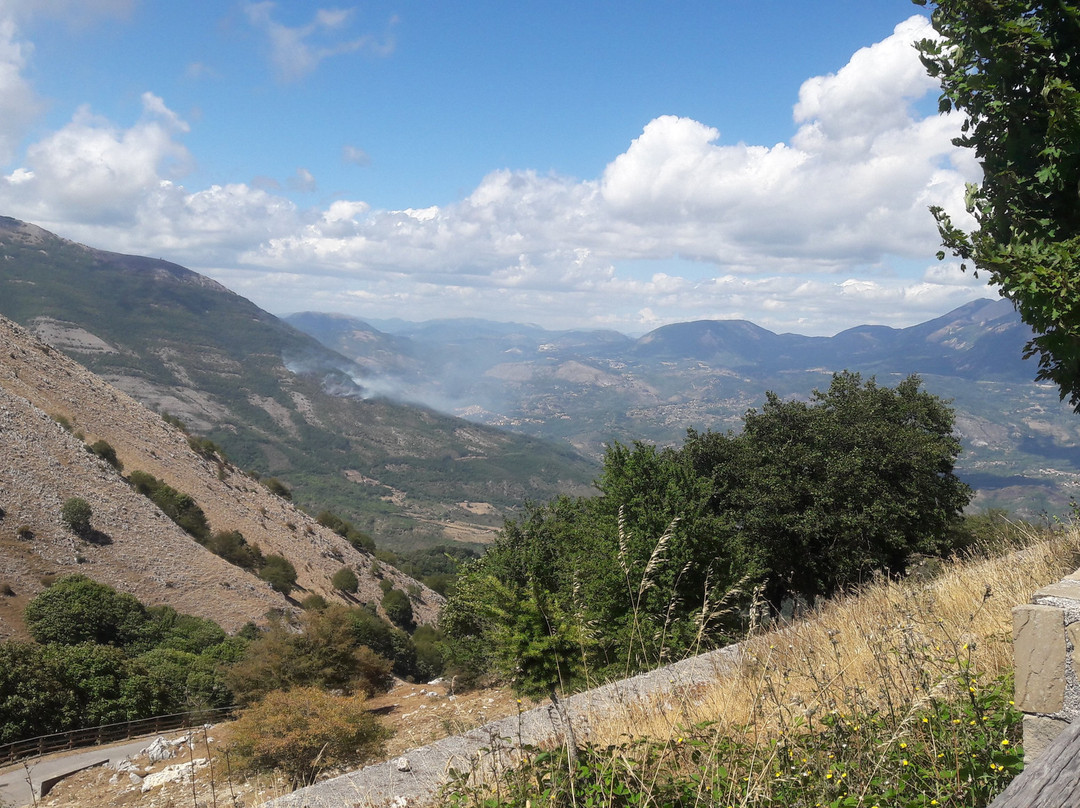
(138, 549)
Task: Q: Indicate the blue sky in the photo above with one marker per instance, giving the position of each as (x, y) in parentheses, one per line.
(567, 164)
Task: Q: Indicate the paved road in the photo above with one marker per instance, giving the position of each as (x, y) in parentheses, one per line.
(15, 791)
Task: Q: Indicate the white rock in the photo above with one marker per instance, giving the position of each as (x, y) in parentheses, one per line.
(171, 774)
(160, 749)
(402, 764)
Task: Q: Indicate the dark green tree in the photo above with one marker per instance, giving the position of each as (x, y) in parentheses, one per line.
(32, 700)
(76, 609)
(854, 481)
(398, 608)
(1012, 69)
(77, 513)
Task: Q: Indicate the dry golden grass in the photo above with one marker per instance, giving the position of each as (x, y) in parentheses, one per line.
(884, 648)
(893, 690)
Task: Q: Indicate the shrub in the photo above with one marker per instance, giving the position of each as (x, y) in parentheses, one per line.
(173, 421)
(275, 486)
(345, 580)
(6, 590)
(305, 730)
(333, 522)
(24, 532)
(233, 547)
(76, 513)
(324, 653)
(357, 538)
(178, 506)
(107, 453)
(207, 449)
(398, 608)
(279, 572)
(313, 603)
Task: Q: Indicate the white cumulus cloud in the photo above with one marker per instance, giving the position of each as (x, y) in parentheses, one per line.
(684, 224)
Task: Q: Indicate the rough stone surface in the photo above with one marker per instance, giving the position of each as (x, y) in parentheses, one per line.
(1039, 733)
(1039, 651)
(1072, 632)
(1066, 588)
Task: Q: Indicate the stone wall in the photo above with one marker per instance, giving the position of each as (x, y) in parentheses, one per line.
(1046, 640)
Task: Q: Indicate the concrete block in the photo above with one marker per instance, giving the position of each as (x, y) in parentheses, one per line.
(1039, 653)
(1039, 733)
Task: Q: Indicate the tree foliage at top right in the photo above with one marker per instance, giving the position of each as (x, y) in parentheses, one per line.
(1012, 69)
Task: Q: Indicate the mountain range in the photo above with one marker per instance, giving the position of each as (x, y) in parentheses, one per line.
(277, 401)
(423, 433)
(1021, 444)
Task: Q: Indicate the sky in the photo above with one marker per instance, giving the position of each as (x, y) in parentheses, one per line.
(564, 163)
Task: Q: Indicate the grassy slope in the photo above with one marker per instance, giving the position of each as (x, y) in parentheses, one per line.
(897, 695)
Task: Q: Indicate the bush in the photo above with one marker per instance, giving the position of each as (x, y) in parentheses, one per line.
(275, 486)
(313, 603)
(279, 572)
(76, 609)
(76, 513)
(324, 653)
(348, 531)
(207, 449)
(179, 507)
(107, 453)
(233, 547)
(345, 580)
(333, 522)
(398, 608)
(305, 730)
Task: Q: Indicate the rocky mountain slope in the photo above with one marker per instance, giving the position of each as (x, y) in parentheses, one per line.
(136, 548)
(277, 400)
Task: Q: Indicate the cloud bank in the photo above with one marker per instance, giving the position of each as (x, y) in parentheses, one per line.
(815, 234)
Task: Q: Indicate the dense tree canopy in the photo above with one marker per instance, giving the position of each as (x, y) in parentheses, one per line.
(77, 609)
(1012, 69)
(809, 498)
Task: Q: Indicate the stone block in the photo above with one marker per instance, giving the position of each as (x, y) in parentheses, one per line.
(1065, 589)
(1039, 654)
(1073, 633)
(1039, 733)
